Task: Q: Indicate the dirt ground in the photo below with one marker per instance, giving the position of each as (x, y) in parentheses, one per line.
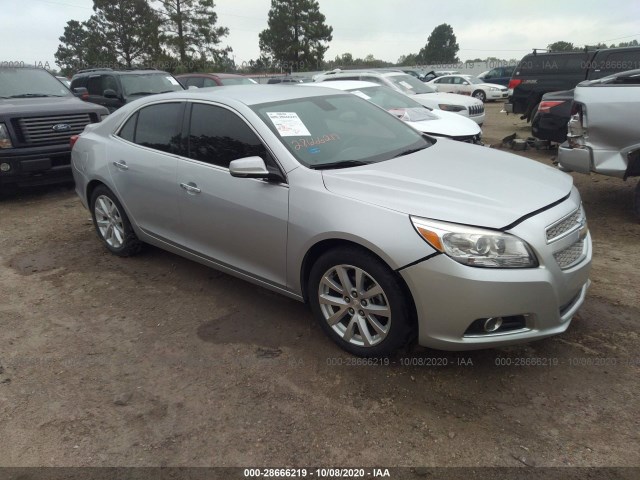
(158, 361)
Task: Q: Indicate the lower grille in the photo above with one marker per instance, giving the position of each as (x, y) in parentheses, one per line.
(53, 129)
(571, 255)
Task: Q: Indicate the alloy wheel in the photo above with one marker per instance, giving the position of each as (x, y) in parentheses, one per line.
(109, 221)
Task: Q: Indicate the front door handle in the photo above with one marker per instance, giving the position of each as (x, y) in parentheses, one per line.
(190, 187)
(122, 165)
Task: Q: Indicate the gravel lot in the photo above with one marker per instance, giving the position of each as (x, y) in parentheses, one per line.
(155, 361)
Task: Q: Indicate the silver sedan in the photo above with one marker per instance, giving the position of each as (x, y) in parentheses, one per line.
(388, 234)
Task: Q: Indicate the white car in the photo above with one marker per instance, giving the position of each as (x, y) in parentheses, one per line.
(424, 119)
(470, 85)
(421, 92)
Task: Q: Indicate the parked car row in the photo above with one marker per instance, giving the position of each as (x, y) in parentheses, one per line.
(469, 85)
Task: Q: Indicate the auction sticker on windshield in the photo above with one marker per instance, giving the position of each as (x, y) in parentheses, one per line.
(173, 81)
(405, 84)
(360, 94)
(288, 124)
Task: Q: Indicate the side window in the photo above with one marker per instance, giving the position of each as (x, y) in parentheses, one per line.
(445, 81)
(160, 126)
(94, 85)
(209, 82)
(109, 83)
(218, 136)
(493, 73)
(128, 130)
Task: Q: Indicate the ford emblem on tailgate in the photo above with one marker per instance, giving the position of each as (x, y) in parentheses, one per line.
(61, 127)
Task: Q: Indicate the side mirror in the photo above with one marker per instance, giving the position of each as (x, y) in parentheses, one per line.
(80, 91)
(108, 93)
(249, 167)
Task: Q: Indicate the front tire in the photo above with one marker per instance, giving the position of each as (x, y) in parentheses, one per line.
(480, 95)
(359, 302)
(112, 224)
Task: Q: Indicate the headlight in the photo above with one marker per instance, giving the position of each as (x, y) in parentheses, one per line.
(5, 141)
(476, 247)
(452, 108)
(494, 89)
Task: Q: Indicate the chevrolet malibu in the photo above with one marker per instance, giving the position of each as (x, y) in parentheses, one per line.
(388, 234)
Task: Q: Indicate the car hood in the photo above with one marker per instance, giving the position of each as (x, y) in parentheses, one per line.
(447, 124)
(455, 182)
(47, 105)
(436, 98)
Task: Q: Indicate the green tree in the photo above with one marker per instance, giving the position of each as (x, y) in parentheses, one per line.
(632, 43)
(83, 46)
(189, 30)
(129, 29)
(408, 60)
(297, 35)
(441, 47)
(562, 46)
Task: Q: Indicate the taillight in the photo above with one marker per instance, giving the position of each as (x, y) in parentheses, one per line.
(513, 83)
(545, 106)
(73, 140)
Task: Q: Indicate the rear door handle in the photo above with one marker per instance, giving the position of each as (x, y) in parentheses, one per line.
(122, 165)
(190, 187)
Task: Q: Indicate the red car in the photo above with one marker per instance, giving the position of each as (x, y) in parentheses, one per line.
(203, 80)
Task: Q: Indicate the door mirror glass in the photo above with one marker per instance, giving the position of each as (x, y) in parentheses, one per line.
(79, 91)
(249, 167)
(109, 93)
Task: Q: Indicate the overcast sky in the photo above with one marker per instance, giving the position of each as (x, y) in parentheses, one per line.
(384, 28)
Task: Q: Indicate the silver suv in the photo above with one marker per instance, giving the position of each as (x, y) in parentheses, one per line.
(604, 132)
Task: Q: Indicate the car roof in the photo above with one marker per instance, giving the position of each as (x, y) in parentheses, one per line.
(211, 74)
(344, 85)
(246, 94)
(120, 72)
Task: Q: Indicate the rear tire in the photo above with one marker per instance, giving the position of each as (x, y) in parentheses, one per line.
(359, 302)
(112, 224)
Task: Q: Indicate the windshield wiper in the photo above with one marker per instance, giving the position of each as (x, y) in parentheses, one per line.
(33, 95)
(142, 93)
(409, 151)
(343, 164)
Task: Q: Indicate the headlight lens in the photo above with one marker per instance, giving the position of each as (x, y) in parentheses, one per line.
(5, 141)
(476, 247)
(494, 89)
(451, 108)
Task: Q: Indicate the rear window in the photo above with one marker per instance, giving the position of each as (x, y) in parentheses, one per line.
(237, 81)
(606, 63)
(560, 64)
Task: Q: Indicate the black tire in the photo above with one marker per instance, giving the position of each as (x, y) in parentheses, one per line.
(393, 299)
(533, 113)
(130, 243)
(480, 95)
(636, 201)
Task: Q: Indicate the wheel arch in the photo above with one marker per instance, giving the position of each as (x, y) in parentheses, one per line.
(325, 245)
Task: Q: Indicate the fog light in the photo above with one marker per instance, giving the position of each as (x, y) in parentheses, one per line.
(492, 324)
(5, 167)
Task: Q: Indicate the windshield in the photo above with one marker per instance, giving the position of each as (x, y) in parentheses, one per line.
(332, 130)
(410, 85)
(148, 83)
(30, 82)
(395, 103)
(237, 81)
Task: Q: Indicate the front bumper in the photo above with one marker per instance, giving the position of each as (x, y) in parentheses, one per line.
(450, 297)
(496, 95)
(36, 166)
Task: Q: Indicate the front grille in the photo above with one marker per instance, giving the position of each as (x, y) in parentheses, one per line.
(571, 255)
(476, 110)
(565, 226)
(39, 130)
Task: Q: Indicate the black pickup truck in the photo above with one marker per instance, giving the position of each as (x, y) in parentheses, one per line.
(38, 116)
(540, 73)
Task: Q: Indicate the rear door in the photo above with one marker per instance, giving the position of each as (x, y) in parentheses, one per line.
(143, 167)
(236, 222)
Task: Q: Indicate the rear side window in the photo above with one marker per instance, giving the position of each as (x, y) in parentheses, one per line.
(192, 82)
(94, 85)
(159, 127)
(561, 64)
(218, 136)
(208, 82)
(128, 131)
